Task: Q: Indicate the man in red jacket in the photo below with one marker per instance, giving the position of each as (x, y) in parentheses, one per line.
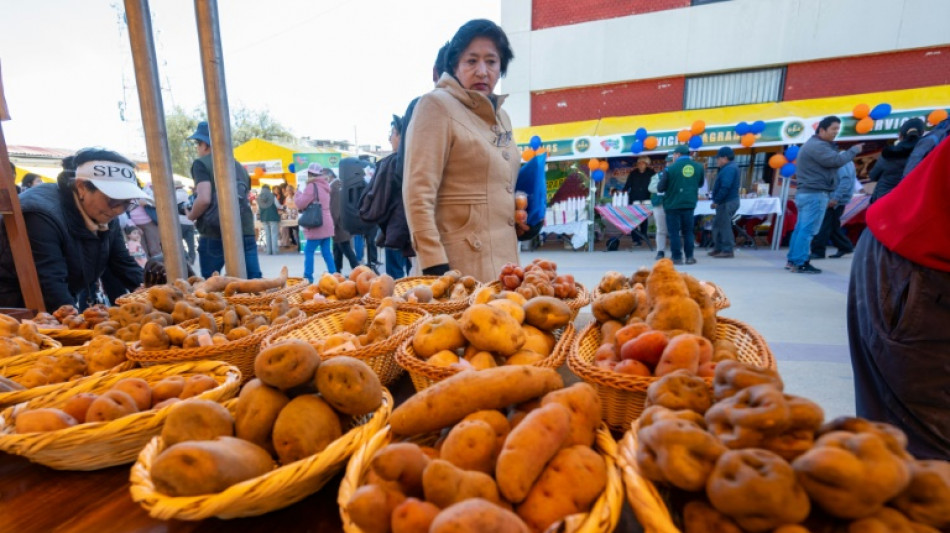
(899, 309)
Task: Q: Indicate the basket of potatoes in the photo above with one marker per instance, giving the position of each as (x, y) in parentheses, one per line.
(507, 330)
(70, 327)
(648, 331)
(334, 291)
(309, 414)
(36, 374)
(105, 420)
(615, 281)
(539, 278)
(505, 449)
(448, 293)
(233, 335)
(18, 338)
(368, 333)
(753, 458)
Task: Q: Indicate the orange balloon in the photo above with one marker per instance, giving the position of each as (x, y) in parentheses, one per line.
(937, 116)
(258, 172)
(747, 140)
(864, 125)
(860, 111)
(593, 164)
(777, 161)
(683, 136)
(650, 142)
(604, 165)
(527, 155)
(698, 127)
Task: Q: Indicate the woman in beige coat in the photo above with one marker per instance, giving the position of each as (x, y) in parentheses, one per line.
(461, 163)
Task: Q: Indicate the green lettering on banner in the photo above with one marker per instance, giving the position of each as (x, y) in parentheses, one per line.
(558, 148)
(889, 125)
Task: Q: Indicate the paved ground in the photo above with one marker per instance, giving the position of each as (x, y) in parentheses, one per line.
(801, 316)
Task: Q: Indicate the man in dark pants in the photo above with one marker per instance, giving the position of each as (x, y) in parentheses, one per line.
(681, 183)
(636, 188)
(899, 309)
(725, 200)
(831, 224)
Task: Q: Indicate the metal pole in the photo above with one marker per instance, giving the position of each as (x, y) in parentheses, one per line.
(156, 136)
(219, 121)
(780, 219)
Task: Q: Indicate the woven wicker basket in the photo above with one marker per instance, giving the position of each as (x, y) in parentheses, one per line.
(719, 299)
(576, 304)
(240, 352)
(134, 296)
(313, 307)
(68, 337)
(448, 307)
(424, 375)
(96, 445)
(276, 489)
(14, 367)
(294, 286)
(622, 396)
(644, 498)
(603, 517)
(379, 356)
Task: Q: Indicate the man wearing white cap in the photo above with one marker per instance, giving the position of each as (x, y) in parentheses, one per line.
(74, 234)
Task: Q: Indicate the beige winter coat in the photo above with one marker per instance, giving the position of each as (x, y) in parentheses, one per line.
(459, 183)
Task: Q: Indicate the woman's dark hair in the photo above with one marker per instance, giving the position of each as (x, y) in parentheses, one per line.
(440, 66)
(30, 178)
(478, 28)
(910, 130)
(827, 122)
(396, 123)
(70, 163)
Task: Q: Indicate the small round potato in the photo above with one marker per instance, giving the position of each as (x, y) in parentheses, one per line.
(349, 385)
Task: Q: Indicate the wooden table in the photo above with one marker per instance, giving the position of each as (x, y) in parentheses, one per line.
(37, 499)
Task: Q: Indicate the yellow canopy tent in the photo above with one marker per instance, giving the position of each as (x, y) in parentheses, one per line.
(275, 158)
(48, 174)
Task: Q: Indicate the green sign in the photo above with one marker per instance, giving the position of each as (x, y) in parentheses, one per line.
(888, 126)
(328, 160)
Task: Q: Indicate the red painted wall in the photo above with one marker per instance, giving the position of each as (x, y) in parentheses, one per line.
(617, 99)
(551, 13)
(867, 74)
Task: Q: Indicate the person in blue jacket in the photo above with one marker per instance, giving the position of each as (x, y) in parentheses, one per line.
(725, 200)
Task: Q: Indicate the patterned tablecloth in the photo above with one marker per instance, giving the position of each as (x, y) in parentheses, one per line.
(858, 204)
(626, 217)
(766, 205)
(577, 231)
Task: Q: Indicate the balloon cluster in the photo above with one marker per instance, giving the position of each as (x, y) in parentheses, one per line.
(784, 163)
(692, 136)
(866, 116)
(642, 142)
(937, 116)
(597, 169)
(747, 132)
(534, 148)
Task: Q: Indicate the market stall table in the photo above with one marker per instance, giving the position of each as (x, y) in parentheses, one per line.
(748, 207)
(577, 231)
(627, 218)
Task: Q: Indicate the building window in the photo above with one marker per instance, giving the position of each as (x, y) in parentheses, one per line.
(734, 88)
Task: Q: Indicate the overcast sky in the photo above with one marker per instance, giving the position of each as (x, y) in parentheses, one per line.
(320, 67)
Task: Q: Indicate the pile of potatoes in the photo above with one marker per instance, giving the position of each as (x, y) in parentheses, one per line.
(19, 338)
(295, 408)
(101, 353)
(513, 454)
(127, 396)
(506, 330)
(237, 321)
(449, 286)
(361, 282)
(68, 317)
(749, 457)
(359, 331)
(657, 321)
(540, 278)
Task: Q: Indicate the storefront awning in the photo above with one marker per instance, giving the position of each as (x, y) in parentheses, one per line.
(789, 122)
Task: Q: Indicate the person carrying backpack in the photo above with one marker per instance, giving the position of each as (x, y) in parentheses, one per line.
(353, 175)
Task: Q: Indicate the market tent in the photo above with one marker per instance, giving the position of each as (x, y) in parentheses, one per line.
(787, 122)
(276, 158)
(47, 173)
(146, 178)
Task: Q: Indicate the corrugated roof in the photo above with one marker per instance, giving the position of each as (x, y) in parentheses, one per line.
(38, 151)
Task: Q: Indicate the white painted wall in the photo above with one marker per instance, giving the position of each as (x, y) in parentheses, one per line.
(731, 35)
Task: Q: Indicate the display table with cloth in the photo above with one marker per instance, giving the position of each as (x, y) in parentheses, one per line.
(748, 207)
(577, 231)
(627, 218)
(854, 211)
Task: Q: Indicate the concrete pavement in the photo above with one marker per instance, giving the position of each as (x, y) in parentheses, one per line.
(801, 316)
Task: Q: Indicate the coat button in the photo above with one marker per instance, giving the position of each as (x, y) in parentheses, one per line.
(511, 221)
(506, 155)
(509, 188)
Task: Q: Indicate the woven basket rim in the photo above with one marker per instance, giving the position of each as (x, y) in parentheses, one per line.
(438, 306)
(135, 352)
(583, 296)
(719, 299)
(603, 517)
(608, 378)
(406, 358)
(32, 445)
(293, 286)
(645, 500)
(284, 477)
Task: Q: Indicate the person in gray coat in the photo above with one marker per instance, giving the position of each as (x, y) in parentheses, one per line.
(342, 243)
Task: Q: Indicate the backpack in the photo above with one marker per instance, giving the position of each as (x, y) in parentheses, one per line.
(354, 185)
(376, 203)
